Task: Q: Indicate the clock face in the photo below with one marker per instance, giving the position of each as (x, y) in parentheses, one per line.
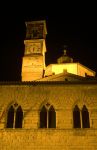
(33, 48)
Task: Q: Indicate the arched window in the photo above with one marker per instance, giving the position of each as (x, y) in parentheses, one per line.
(47, 117)
(14, 116)
(85, 117)
(43, 117)
(19, 117)
(10, 117)
(76, 117)
(52, 118)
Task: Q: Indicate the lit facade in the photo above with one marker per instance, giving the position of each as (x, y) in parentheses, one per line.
(55, 109)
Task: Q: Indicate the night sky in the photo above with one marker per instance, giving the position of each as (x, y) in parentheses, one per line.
(76, 31)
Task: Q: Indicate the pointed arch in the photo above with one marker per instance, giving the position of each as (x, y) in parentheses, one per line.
(76, 117)
(10, 117)
(18, 117)
(43, 117)
(85, 117)
(51, 118)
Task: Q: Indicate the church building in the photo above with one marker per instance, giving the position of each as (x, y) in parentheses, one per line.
(53, 107)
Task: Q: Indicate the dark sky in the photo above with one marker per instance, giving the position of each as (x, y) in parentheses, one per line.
(77, 30)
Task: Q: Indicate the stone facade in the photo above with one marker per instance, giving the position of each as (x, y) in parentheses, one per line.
(63, 97)
(52, 111)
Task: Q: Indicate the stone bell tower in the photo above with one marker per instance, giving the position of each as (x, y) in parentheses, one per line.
(33, 63)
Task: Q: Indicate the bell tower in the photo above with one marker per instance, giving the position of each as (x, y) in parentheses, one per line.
(33, 63)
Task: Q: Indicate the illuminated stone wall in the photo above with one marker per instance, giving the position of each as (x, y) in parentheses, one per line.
(48, 139)
(74, 68)
(63, 97)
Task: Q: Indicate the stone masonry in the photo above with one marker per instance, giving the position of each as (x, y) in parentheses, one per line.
(31, 96)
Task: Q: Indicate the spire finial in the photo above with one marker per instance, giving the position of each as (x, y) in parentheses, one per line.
(65, 51)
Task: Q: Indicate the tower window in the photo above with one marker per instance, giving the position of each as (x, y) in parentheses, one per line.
(14, 117)
(47, 117)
